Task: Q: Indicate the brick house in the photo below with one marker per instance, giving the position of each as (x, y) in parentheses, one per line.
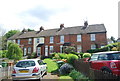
(45, 42)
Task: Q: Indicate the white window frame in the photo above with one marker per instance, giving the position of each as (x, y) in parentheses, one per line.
(29, 50)
(18, 41)
(93, 46)
(62, 39)
(79, 38)
(30, 41)
(92, 37)
(79, 48)
(51, 49)
(51, 39)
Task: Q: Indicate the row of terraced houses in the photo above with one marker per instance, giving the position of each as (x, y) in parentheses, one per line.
(45, 42)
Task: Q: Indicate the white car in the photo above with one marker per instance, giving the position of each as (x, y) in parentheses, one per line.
(29, 69)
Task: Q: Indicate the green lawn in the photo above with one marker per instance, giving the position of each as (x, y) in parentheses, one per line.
(65, 78)
(51, 65)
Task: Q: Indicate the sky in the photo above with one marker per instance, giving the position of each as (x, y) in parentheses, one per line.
(19, 14)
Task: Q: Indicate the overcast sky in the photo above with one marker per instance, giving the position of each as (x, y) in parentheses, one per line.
(19, 14)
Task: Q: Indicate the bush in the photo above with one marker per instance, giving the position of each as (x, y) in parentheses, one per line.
(65, 69)
(71, 58)
(86, 55)
(3, 53)
(62, 55)
(77, 76)
(114, 49)
(33, 55)
(52, 55)
(69, 49)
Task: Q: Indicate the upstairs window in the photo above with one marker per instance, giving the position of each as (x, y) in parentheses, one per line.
(38, 40)
(30, 41)
(51, 39)
(62, 39)
(18, 41)
(78, 38)
(51, 49)
(92, 36)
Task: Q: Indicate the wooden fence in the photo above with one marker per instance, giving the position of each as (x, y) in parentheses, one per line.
(5, 72)
(96, 75)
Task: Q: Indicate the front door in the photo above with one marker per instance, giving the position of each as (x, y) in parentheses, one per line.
(38, 51)
(25, 52)
(46, 50)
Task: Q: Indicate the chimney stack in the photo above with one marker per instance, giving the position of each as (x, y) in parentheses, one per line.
(86, 24)
(41, 28)
(61, 26)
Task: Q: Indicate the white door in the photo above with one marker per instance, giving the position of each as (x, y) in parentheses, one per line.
(46, 50)
(25, 52)
(38, 51)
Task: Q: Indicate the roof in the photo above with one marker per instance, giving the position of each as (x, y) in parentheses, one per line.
(96, 28)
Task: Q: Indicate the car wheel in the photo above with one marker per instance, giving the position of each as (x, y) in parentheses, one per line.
(107, 71)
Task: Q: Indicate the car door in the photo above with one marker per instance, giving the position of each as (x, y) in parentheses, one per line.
(93, 61)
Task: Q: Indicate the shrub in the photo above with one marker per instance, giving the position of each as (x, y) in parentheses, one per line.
(65, 69)
(71, 58)
(69, 49)
(86, 55)
(114, 49)
(52, 55)
(56, 56)
(62, 55)
(77, 76)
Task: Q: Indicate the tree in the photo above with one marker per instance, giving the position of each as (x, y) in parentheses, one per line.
(14, 51)
(11, 33)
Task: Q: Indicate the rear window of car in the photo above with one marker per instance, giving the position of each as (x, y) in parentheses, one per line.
(114, 56)
(25, 64)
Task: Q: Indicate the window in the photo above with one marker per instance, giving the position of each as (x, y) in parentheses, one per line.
(51, 39)
(41, 40)
(94, 57)
(92, 36)
(51, 49)
(61, 48)
(29, 41)
(62, 39)
(93, 46)
(38, 40)
(29, 50)
(79, 48)
(18, 41)
(78, 38)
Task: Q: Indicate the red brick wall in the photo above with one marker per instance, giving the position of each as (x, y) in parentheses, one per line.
(85, 43)
(101, 39)
(24, 43)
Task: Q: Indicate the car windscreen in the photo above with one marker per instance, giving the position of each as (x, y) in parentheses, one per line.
(114, 56)
(25, 64)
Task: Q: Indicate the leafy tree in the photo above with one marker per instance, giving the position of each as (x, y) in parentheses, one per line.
(30, 30)
(14, 51)
(11, 33)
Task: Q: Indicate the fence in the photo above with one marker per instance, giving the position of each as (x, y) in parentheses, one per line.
(96, 75)
(5, 72)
